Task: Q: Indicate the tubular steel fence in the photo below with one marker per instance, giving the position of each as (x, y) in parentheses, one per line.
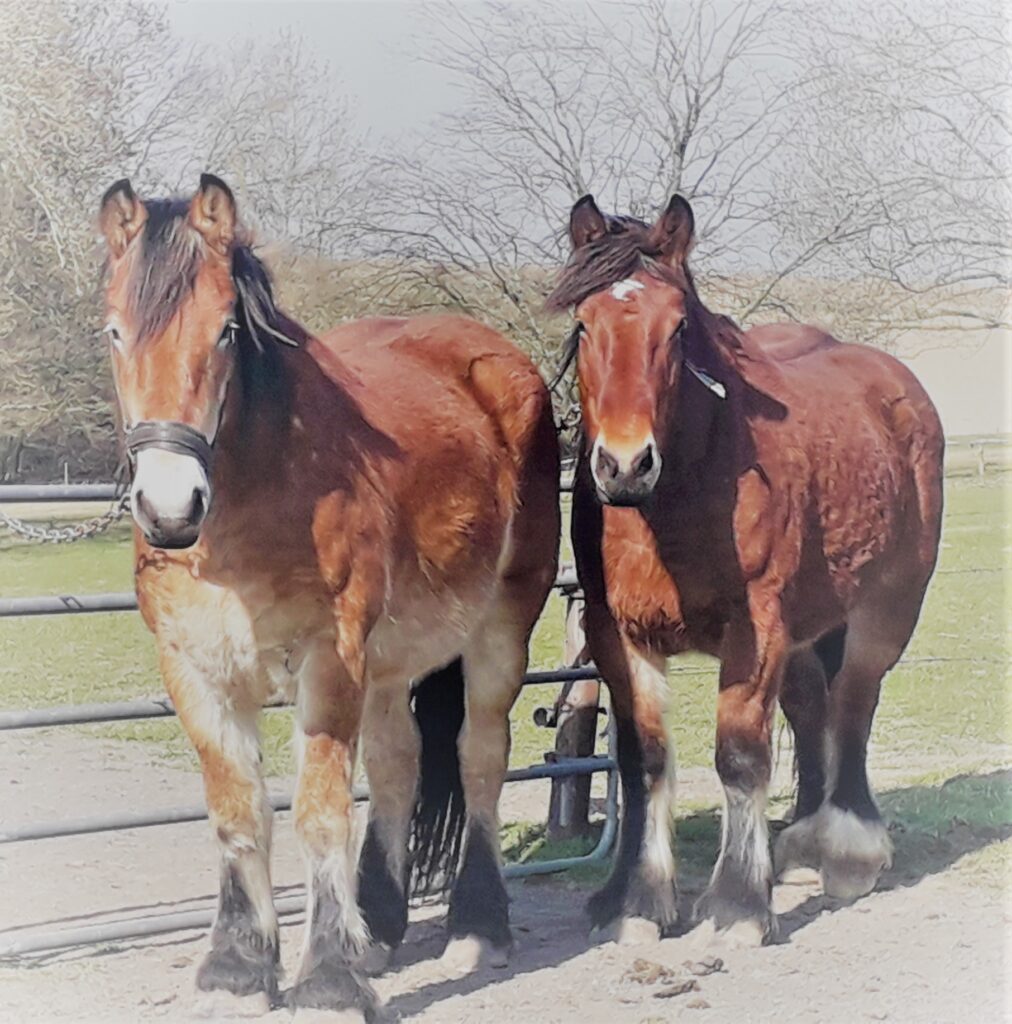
(23, 941)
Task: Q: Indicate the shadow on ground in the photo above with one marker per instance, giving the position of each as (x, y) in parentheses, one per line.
(932, 827)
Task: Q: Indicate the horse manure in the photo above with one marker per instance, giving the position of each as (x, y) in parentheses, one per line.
(646, 972)
(678, 990)
(708, 965)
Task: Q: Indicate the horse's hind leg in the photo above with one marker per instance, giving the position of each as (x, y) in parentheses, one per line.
(244, 941)
(390, 750)
(854, 845)
(495, 658)
(804, 698)
(328, 715)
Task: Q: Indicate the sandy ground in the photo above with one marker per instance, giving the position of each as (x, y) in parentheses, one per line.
(931, 948)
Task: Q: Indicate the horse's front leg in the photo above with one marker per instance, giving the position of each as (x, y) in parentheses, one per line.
(244, 942)
(755, 648)
(328, 714)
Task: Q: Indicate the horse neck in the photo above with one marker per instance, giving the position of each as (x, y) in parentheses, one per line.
(707, 433)
(265, 435)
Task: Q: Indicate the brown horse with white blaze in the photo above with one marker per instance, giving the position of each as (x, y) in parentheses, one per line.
(771, 497)
(329, 519)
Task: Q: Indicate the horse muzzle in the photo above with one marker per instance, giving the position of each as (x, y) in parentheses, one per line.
(625, 479)
(170, 494)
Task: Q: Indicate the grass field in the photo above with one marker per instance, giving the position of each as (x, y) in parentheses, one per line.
(944, 711)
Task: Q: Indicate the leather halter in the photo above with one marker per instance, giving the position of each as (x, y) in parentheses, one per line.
(170, 436)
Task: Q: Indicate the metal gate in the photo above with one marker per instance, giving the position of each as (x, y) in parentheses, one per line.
(25, 941)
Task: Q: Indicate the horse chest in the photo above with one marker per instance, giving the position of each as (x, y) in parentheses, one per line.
(243, 634)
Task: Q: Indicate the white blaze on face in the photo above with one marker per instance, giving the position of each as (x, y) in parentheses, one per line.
(168, 481)
(621, 290)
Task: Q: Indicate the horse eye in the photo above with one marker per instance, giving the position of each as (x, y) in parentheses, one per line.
(229, 334)
(113, 336)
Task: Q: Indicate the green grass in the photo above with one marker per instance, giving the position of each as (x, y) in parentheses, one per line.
(944, 710)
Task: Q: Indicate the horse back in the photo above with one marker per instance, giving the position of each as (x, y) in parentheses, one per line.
(471, 419)
(871, 440)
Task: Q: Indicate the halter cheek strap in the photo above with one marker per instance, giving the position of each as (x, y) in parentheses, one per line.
(169, 436)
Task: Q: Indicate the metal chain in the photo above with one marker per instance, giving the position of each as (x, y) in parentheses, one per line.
(67, 534)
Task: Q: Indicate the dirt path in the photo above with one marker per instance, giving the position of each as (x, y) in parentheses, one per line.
(930, 948)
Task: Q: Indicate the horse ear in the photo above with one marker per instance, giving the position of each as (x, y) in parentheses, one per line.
(586, 223)
(212, 213)
(673, 233)
(121, 216)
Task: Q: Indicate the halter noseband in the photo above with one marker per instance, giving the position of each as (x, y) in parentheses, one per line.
(170, 436)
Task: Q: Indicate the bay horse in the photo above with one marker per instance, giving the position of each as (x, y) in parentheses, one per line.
(770, 497)
(329, 518)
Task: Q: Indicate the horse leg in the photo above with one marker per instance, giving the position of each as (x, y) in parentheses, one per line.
(328, 714)
(243, 958)
(752, 662)
(804, 698)
(854, 845)
(391, 750)
(494, 660)
(654, 895)
(609, 654)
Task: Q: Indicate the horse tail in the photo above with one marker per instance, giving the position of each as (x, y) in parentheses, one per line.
(437, 826)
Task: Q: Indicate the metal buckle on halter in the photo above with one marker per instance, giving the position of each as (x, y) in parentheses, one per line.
(170, 436)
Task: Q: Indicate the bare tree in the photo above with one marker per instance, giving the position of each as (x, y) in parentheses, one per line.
(90, 93)
(70, 76)
(632, 102)
(844, 161)
(906, 164)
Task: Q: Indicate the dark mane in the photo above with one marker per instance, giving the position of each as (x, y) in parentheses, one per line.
(623, 250)
(264, 332)
(616, 255)
(165, 267)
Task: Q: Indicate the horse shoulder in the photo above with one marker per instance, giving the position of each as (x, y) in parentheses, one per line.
(351, 533)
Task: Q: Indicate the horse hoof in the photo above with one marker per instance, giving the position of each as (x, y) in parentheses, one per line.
(746, 933)
(223, 1005)
(634, 931)
(604, 908)
(797, 847)
(798, 875)
(334, 987)
(375, 960)
(240, 971)
(854, 853)
(468, 953)
(725, 922)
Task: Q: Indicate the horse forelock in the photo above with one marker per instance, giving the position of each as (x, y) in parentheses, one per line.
(618, 254)
(163, 266)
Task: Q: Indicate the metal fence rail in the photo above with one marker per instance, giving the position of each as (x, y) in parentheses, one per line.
(23, 941)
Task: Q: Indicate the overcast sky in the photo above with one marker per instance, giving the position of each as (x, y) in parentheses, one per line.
(373, 48)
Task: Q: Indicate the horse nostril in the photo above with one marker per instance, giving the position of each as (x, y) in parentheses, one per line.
(643, 463)
(144, 507)
(607, 465)
(197, 505)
